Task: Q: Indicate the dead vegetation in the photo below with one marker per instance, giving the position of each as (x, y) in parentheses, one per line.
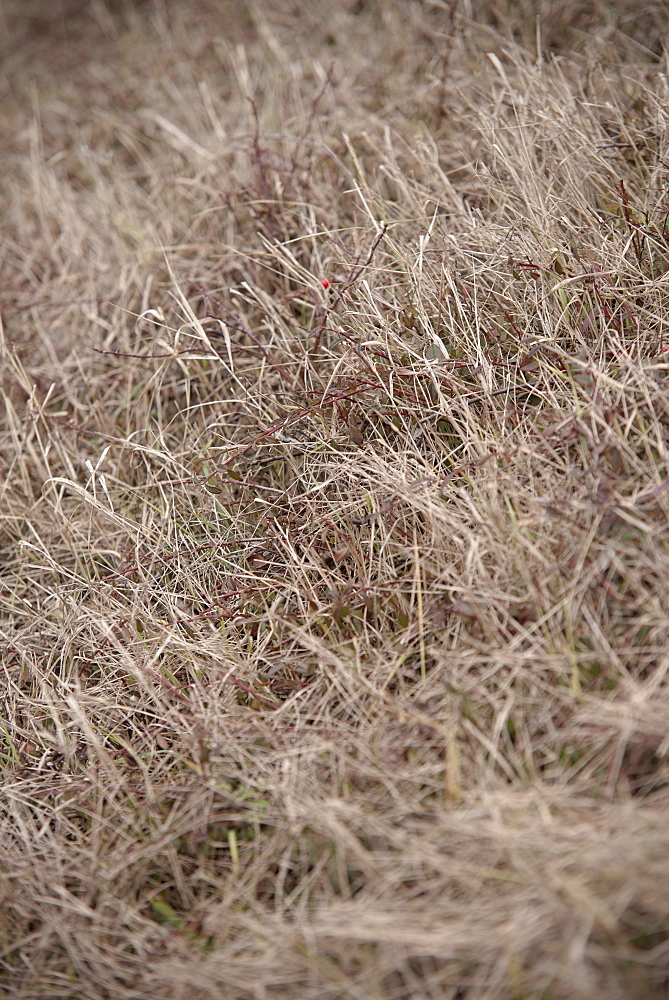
(333, 531)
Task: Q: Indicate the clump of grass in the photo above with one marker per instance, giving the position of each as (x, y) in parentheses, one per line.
(334, 521)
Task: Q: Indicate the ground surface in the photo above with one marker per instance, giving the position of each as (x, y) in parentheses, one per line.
(334, 537)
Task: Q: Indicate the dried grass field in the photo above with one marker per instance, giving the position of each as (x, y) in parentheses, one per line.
(334, 529)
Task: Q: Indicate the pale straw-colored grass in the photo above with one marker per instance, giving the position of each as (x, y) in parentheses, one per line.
(334, 541)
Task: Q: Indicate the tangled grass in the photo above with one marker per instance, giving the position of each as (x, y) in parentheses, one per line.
(334, 532)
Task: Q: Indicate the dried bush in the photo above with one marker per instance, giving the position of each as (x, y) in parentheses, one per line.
(333, 535)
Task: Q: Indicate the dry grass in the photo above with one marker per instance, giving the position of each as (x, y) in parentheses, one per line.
(335, 617)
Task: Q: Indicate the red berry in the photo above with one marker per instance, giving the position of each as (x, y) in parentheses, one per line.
(325, 283)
